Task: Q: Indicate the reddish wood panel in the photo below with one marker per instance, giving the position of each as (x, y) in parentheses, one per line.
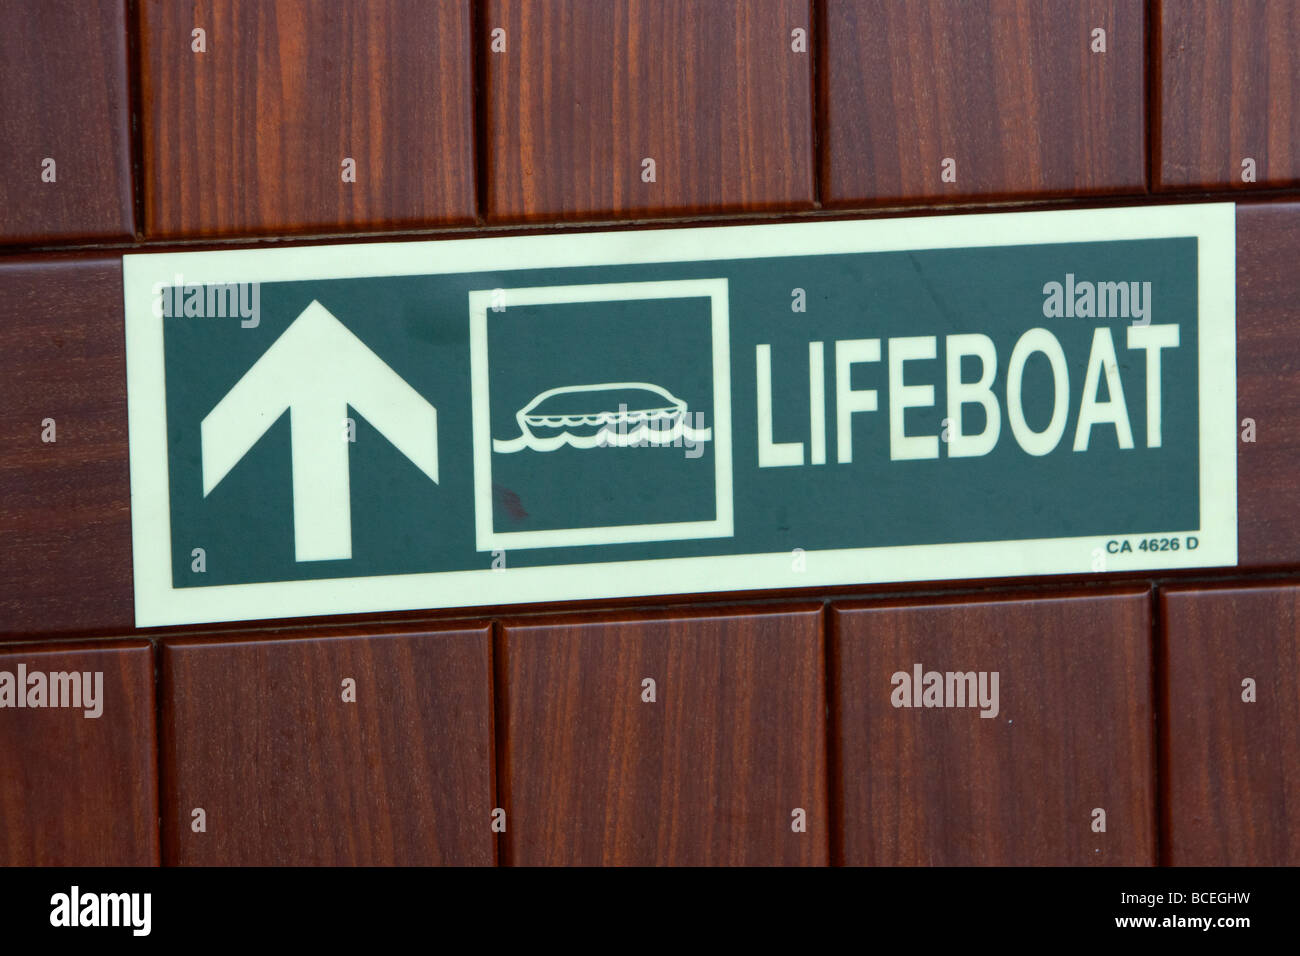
(63, 70)
(1011, 92)
(1268, 384)
(1229, 90)
(1231, 766)
(1071, 731)
(64, 504)
(78, 773)
(712, 771)
(713, 91)
(251, 135)
(258, 734)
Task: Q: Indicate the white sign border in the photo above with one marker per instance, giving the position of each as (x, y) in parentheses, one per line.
(158, 603)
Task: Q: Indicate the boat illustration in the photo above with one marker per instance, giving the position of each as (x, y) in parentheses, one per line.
(607, 414)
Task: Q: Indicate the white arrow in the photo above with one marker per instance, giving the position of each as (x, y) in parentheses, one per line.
(314, 370)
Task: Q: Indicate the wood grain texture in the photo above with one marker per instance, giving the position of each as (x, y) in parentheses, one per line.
(1009, 90)
(65, 528)
(1231, 768)
(1268, 383)
(63, 77)
(249, 137)
(944, 786)
(707, 774)
(710, 89)
(257, 734)
(78, 790)
(1228, 88)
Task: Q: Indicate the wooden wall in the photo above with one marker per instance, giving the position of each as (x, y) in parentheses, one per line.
(1170, 702)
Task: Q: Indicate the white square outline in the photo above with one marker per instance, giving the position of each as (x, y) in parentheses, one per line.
(486, 537)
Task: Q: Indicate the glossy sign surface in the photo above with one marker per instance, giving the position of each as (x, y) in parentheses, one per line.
(502, 420)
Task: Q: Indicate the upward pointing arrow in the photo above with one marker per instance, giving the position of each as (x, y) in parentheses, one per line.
(314, 370)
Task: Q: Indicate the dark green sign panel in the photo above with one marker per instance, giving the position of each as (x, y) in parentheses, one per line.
(489, 421)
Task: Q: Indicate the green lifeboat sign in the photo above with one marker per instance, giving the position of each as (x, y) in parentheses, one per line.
(461, 423)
